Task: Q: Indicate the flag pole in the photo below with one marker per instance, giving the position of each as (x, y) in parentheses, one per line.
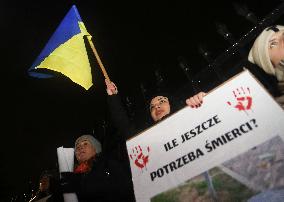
(98, 58)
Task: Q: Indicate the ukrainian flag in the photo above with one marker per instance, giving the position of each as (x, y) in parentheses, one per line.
(66, 52)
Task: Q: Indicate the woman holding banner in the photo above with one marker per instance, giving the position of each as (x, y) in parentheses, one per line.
(160, 106)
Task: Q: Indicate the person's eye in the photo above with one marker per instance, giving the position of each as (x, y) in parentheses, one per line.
(273, 44)
(162, 101)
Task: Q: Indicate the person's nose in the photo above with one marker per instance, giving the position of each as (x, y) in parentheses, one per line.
(157, 106)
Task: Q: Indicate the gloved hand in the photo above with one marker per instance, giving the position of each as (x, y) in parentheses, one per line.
(70, 182)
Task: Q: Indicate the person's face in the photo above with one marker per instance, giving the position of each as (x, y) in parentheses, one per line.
(84, 151)
(44, 183)
(159, 107)
(276, 48)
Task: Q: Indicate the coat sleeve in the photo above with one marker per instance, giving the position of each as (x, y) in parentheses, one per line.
(119, 117)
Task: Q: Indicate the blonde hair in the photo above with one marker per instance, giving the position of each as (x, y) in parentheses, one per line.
(259, 52)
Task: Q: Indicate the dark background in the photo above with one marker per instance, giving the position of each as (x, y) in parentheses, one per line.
(135, 40)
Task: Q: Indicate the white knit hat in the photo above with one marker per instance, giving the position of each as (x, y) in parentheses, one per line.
(259, 52)
(94, 142)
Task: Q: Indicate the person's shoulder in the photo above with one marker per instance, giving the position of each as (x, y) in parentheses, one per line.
(100, 159)
(268, 81)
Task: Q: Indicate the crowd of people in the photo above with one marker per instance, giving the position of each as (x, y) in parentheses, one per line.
(99, 176)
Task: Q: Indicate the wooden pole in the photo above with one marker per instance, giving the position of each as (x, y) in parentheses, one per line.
(98, 58)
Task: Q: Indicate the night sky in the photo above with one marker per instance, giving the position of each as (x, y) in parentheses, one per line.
(132, 38)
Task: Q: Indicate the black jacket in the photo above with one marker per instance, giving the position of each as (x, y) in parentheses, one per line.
(108, 181)
(120, 118)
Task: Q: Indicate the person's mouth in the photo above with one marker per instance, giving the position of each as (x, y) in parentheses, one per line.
(159, 112)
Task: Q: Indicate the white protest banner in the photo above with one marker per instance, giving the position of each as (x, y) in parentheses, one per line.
(235, 117)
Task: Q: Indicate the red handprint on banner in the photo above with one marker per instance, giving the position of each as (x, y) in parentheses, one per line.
(243, 99)
(140, 157)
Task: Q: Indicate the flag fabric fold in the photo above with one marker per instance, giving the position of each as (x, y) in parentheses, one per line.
(65, 52)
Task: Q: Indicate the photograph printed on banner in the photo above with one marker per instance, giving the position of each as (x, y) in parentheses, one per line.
(257, 173)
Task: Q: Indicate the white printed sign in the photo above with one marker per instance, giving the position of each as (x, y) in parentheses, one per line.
(236, 116)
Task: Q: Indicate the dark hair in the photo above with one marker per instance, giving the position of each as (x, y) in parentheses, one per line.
(173, 101)
(46, 173)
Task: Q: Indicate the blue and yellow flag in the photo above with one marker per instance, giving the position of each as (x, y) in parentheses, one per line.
(66, 52)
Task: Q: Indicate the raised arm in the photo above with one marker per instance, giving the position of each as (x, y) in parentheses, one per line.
(118, 114)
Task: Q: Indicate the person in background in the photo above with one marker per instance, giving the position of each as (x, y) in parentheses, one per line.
(96, 177)
(47, 188)
(267, 53)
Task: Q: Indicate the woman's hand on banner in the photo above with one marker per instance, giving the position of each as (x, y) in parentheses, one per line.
(196, 100)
